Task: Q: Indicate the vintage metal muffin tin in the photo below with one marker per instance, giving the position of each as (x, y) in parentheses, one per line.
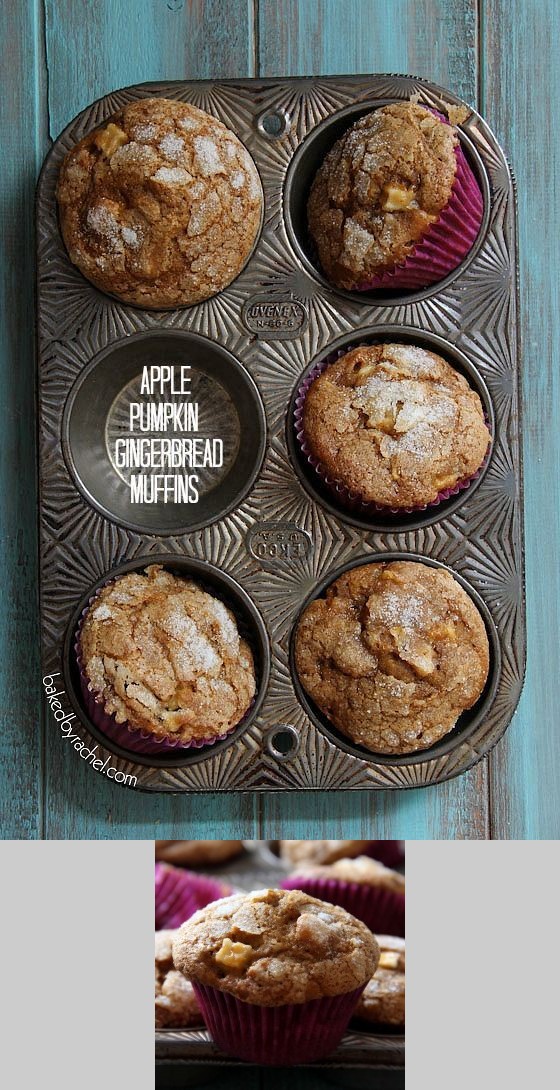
(266, 525)
(257, 868)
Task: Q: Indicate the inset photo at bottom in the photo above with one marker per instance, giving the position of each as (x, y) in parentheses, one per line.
(275, 954)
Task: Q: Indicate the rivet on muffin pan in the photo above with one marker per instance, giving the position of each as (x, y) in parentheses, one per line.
(251, 628)
(362, 515)
(467, 721)
(299, 178)
(274, 124)
(230, 409)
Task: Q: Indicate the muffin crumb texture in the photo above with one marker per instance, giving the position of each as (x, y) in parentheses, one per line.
(165, 656)
(272, 947)
(378, 191)
(395, 424)
(321, 851)
(383, 1000)
(175, 1002)
(161, 205)
(363, 870)
(393, 654)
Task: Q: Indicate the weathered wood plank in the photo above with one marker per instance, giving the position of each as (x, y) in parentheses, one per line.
(521, 99)
(435, 40)
(23, 146)
(110, 45)
(89, 55)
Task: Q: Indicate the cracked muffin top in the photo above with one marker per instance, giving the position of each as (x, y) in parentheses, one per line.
(383, 1000)
(363, 870)
(197, 852)
(161, 205)
(321, 851)
(378, 191)
(175, 1001)
(166, 657)
(393, 654)
(395, 424)
(274, 946)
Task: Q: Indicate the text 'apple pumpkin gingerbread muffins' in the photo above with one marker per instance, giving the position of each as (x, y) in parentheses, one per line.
(393, 654)
(162, 663)
(277, 974)
(395, 203)
(161, 205)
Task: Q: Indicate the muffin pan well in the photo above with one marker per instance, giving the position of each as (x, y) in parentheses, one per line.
(261, 521)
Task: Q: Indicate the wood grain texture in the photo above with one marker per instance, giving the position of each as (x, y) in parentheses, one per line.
(23, 146)
(435, 40)
(521, 100)
(94, 48)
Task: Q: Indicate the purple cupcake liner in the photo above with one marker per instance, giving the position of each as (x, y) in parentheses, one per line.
(294, 1033)
(382, 910)
(180, 893)
(126, 736)
(388, 852)
(448, 240)
(343, 495)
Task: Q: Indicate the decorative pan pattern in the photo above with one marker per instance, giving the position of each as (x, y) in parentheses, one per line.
(282, 539)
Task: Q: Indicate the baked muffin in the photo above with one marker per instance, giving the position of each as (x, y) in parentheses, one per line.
(363, 886)
(176, 1005)
(195, 853)
(275, 973)
(180, 893)
(383, 1001)
(392, 425)
(161, 205)
(390, 852)
(162, 662)
(395, 203)
(393, 654)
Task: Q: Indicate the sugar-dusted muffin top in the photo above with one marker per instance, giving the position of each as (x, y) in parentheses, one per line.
(395, 424)
(160, 205)
(197, 852)
(321, 851)
(393, 654)
(175, 1001)
(379, 189)
(274, 946)
(383, 1000)
(165, 656)
(363, 870)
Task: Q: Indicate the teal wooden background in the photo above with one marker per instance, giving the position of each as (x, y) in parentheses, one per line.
(500, 55)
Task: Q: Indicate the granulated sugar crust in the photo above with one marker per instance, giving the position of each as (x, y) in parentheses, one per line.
(378, 191)
(363, 870)
(161, 205)
(166, 656)
(197, 852)
(393, 654)
(175, 1002)
(321, 851)
(272, 947)
(395, 424)
(383, 1000)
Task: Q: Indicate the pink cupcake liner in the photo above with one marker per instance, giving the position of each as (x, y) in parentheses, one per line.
(133, 738)
(382, 910)
(294, 1033)
(180, 893)
(448, 240)
(343, 495)
(389, 852)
